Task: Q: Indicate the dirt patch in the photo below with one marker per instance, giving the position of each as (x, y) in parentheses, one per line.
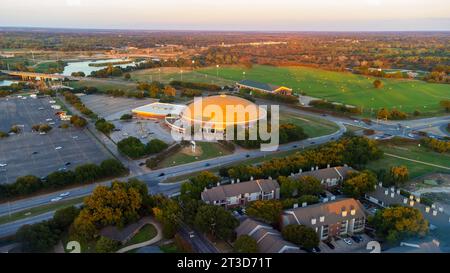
(188, 151)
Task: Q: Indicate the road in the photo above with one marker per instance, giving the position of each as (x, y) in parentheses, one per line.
(198, 242)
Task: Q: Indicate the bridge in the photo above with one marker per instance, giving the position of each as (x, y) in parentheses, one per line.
(33, 75)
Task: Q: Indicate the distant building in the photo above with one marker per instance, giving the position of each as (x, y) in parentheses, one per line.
(158, 110)
(268, 239)
(337, 217)
(264, 87)
(239, 194)
(328, 176)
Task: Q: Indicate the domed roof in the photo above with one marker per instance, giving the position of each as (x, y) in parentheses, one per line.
(214, 111)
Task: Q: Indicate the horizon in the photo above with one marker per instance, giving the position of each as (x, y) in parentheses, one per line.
(233, 15)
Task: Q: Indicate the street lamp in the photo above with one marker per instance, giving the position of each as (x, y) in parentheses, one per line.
(243, 75)
(217, 70)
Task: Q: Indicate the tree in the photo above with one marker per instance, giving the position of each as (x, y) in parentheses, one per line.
(309, 185)
(155, 146)
(88, 173)
(78, 121)
(169, 91)
(40, 237)
(195, 186)
(360, 150)
(115, 205)
(359, 183)
(131, 147)
(126, 117)
(169, 213)
(103, 126)
(378, 84)
(397, 223)
(27, 184)
(127, 76)
(383, 113)
(106, 245)
(445, 104)
(245, 244)
(399, 174)
(216, 221)
(266, 210)
(63, 218)
(112, 167)
(301, 235)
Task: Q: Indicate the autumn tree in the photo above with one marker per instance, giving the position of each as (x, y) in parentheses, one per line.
(399, 174)
(445, 104)
(266, 210)
(78, 121)
(169, 91)
(397, 223)
(116, 205)
(168, 212)
(245, 244)
(106, 245)
(359, 183)
(383, 113)
(378, 84)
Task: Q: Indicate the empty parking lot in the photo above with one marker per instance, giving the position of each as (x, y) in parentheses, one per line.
(112, 108)
(32, 153)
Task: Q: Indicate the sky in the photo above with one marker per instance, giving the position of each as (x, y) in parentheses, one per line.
(258, 15)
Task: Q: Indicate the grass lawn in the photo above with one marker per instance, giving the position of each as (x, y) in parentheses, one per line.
(312, 126)
(205, 150)
(104, 85)
(45, 67)
(411, 151)
(170, 248)
(348, 88)
(353, 128)
(146, 233)
(168, 74)
(40, 210)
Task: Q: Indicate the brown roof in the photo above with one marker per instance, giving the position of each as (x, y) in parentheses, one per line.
(331, 211)
(269, 240)
(340, 172)
(230, 190)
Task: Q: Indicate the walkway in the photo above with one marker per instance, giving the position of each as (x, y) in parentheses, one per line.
(155, 239)
(417, 161)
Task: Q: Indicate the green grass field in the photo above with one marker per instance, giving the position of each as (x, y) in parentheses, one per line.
(146, 233)
(209, 150)
(312, 126)
(405, 95)
(104, 85)
(411, 151)
(168, 74)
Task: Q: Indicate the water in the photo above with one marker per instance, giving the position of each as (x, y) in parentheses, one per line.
(84, 67)
(7, 82)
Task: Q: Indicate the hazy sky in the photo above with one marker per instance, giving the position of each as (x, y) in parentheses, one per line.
(334, 15)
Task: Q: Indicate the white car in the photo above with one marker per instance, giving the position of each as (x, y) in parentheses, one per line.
(49, 119)
(3, 165)
(347, 241)
(56, 199)
(58, 148)
(64, 194)
(42, 133)
(51, 123)
(75, 137)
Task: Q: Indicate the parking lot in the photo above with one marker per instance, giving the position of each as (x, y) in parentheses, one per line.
(32, 153)
(112, 108)
(144, 129)
(340, 246)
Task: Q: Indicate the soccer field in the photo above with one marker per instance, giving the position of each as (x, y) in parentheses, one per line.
(348, 88)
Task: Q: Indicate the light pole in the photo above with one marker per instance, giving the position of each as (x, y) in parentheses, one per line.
(243, 75)
(181, 75)
(217, 70)
(159, 74)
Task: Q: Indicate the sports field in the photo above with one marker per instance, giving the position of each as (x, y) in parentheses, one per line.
(168, 74)
(348, 88)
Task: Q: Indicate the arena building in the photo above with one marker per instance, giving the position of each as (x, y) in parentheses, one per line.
(158, 110)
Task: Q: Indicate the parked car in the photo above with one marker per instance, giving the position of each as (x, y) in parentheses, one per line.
(67, 163)
(141, 164)
(207, 165)
(161, 174)
(34, 153)
(58, 148)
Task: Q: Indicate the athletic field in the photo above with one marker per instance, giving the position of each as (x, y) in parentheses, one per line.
(348, 88)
